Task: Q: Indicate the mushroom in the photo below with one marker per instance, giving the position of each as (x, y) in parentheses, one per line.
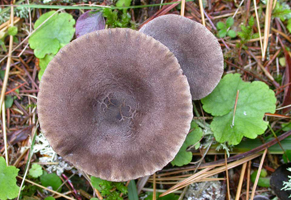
(115, 104)
(195, 47)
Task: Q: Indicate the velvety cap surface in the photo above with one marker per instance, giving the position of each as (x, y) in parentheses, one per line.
(115, 104)
(196, 48)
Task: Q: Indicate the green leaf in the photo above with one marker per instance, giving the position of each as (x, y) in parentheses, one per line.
(254, 100)
(96, 182)
(229, 22)
(286, 155)
(222, 33)
(49, 198)
(8, 187)
(8, 101)
(94, 198)
(55, 33)
(2, 44)
(51, 180)
(132, 191)
(184, 157)
(12, 30)
(167, 197)
(43, 62)
(289, 25)
(35, 170)
(231, 33)
(123, 3)
(121, 187)
(263, 180)
(251, 21)
(286, 126)
(221, 25)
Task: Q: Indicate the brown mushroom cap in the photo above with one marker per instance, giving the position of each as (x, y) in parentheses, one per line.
(115, 104)
(195, 47)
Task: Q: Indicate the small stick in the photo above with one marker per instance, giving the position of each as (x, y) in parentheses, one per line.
(248, 181)
(183, 2)
(258, 25)
(242, 174)
(52, 191)
(154, 187)
(4, 133)
(201, 11)
(5, 81)
(258, 174)
(227, 177)
(234, 110)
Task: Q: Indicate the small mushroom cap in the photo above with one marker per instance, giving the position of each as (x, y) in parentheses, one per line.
(115, 104)
(195, 47)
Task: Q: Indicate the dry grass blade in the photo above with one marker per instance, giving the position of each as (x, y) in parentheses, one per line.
(183, 2)
(258, 25)
(226, 171)
(248, 181)
(52, 191)
(5, 81)
(267, 27)
(207, 173)
(258, 174)
(154, 187)
(242, 174)
(4, 133)
(202, 12)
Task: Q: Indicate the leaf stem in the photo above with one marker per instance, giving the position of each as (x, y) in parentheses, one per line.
(234, 110)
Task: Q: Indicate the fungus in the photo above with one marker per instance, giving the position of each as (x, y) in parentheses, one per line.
(115, 104)
(196, 48)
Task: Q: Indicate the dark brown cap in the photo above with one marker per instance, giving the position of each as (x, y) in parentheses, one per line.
(195, 47)
(115, 104)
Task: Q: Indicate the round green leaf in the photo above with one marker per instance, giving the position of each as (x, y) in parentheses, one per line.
(52, 35)
(221, 25)
(35, 170)
(51, 180)
(231, 33)
(254, 100)
(222, 33)
(229, 22)
(8, 187)
(12, 30)
(184, 157)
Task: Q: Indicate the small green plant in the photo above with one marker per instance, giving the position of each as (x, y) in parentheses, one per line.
(53, 35)
(184, 157)
(8, 187)
(35, 170)
(118, 18)
(283, 11)
(234, 120)
(224, 28)
(246, 32)
(51, 180)
(263, 181)
(109, 190)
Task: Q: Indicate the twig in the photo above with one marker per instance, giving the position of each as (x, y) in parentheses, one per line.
(248, 180)
(227, 177)
(258, 174)
(183, 2)
(4, 133)
(242, 174)
(5, 81)
(234, 109)
(52, 191)
(154, 187)
(201, 11)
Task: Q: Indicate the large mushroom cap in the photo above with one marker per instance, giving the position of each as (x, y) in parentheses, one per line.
(115, 104)
(195, 47)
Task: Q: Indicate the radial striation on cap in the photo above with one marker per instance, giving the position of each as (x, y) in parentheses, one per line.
(196, 48)
(115, 104)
